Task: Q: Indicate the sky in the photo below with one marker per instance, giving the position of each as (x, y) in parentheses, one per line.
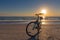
(29, 7)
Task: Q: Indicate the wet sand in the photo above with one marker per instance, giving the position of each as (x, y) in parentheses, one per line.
(17, 32)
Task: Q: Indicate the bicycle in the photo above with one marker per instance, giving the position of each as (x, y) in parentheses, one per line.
(32, 28)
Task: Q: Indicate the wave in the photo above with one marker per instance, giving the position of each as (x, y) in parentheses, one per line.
(27, 18)
(27, 21)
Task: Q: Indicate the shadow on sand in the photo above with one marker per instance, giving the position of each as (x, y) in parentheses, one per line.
(33, 38)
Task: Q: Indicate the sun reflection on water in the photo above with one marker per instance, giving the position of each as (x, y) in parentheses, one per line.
(43, 21)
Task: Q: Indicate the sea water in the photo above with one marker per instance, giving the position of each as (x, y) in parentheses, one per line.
(27, 19)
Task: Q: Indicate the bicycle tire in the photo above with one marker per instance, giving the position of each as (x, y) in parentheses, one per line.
(28, 32)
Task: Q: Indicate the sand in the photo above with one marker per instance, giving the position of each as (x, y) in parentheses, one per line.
(18, 32)
(12, 32)
(51, 32)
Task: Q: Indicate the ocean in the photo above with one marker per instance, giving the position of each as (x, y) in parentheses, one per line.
(27, 19)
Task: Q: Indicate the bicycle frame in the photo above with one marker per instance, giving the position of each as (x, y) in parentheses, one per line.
(38, 22)
(38, 18)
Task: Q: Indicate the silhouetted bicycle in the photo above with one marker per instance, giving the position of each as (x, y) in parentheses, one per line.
(32, 28)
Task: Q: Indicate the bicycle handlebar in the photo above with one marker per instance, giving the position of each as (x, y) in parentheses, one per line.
(39, 14)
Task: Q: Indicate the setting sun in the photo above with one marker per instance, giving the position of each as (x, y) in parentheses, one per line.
(43, 11)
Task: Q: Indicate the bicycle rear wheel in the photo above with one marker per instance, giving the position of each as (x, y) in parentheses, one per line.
(30, 31)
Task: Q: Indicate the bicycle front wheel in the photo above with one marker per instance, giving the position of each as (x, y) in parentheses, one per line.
(30, 31)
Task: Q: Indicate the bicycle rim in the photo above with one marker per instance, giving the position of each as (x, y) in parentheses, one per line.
(30, 31)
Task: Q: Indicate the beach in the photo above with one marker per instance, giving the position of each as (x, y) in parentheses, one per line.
(18, 32)
(12, 32)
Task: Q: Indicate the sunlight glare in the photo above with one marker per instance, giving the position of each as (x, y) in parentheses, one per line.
(43, 22)
(43, 11)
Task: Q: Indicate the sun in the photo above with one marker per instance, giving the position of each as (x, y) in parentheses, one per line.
(43, 11)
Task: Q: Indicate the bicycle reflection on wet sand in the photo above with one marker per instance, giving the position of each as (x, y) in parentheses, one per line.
(33, 38)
